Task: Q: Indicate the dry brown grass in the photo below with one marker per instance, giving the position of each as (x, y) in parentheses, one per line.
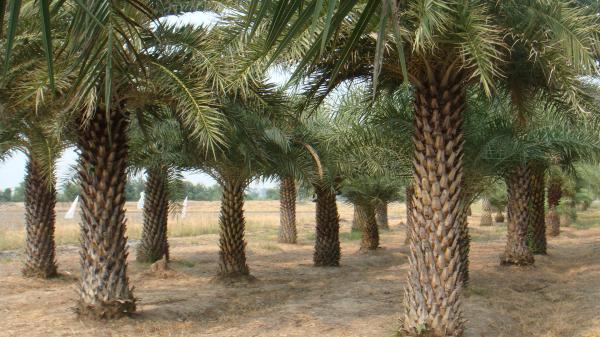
(559, 297)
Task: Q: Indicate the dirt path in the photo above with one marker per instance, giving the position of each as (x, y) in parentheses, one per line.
(560, 296)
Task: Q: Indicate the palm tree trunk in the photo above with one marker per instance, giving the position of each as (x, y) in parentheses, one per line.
(432, 294)
(381, 214)
(104, 290)
(554, 195)
(370, 230)
(287, 210)
(519, 196)
(153, 244)
(536, 238)
(356, 220)
(327, 242)
(40, 216)
(486, 213)
(232, 255)
(410, 190)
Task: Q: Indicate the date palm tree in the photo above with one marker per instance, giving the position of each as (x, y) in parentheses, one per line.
(442, 47)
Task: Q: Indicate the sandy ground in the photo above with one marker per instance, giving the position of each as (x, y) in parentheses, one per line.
(560, 296)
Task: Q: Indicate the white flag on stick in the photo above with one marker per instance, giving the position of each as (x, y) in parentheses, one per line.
(71, 212)
(140, 204)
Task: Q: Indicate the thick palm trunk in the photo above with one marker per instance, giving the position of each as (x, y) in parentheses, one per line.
(104, 290)
(486, 212)
(153, 244)
(432, 294)
(327, 242)
(410, 191)
(287, 211)
(536, 238)
(232, 256)
(40, 200)
(554, 195)
(519, 196)
(381, 215)
(370, 230)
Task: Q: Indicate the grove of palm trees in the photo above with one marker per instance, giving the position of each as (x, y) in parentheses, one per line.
(436, 165)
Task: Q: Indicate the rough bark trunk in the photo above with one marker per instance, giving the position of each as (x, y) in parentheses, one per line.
(287, 211)
(410, 190)
(381, 215)
(40, 216)
(232, 255)
(536, 238)
(327, 242)
(432, 294)
(554, 195)
(153, 244)
(519, 195)
(370, 230)
(104, 290)
(486, 213)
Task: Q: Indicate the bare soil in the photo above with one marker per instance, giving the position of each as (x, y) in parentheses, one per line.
(560, 296)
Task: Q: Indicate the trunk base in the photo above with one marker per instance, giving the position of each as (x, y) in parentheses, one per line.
(29, 271)
(499, 217)
(522, 259)
(106, 310)
(553, 222)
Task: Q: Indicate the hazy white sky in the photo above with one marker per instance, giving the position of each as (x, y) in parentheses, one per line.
(12, 171)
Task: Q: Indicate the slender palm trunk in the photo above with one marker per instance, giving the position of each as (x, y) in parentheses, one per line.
(486, 213)
(287, 211)
(232, 256)
(40, 200)
(327, 242)
(536, 238)
(410, 190)
(370, 230)
(104, 290)
(356, 220)
(432, 294)
(381, 214)
(153, 244)
(519, 196)
(554, 195)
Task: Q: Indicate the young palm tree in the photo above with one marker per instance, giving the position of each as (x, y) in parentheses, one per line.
(156, 147)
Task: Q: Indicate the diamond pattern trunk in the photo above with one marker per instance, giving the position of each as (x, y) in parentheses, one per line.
(410, 191)
(554, 195)
(432, 294)
(381, 214)
(536, 236)
(287, 211)
(153, 244)
(327, 242)
(370, 230)
(104, 290)
(486, 212)
(519, 195)
(232, 256)
(40, 200)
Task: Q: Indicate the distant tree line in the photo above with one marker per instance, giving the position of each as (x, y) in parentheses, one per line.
(199, 192)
